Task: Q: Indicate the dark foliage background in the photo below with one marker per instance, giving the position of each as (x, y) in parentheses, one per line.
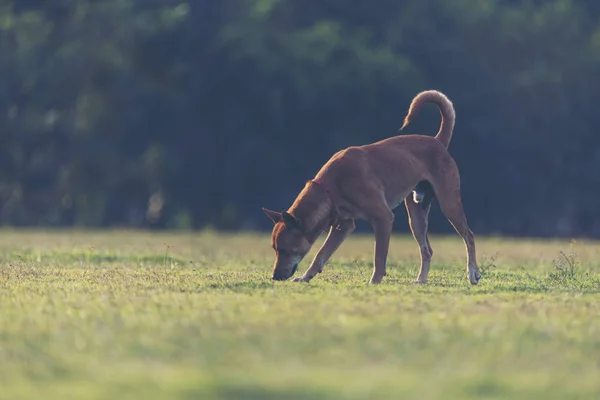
(175, 114)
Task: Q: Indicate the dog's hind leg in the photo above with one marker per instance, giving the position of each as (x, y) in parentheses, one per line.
(418, 217)
(337, 234)
(447, 191)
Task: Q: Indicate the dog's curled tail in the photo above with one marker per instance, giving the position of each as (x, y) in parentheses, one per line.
(446, 110)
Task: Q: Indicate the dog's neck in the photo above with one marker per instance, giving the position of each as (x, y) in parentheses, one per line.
(314, 208)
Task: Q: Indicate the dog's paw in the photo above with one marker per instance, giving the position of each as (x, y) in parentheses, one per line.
(474, 276)
(419, 282)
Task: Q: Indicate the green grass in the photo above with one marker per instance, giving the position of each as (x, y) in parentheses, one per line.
(92, 315)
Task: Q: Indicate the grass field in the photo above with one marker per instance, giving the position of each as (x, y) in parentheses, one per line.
(119, 315)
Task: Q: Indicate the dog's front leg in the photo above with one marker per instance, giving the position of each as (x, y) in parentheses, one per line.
(334, 239)
(383, 231)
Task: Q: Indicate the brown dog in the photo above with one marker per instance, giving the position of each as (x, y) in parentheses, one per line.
(368, 182)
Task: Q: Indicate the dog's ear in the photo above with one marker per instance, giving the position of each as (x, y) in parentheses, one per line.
(273, 215)
(290, 221)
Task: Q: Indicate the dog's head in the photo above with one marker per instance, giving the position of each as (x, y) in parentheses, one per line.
(289, 242)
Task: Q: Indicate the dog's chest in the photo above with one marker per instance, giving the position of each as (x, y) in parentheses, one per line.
(395, 201)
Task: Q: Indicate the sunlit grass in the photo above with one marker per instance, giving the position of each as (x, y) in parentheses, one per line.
(178, 315)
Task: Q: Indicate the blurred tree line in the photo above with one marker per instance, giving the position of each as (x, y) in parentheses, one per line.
(175, 114)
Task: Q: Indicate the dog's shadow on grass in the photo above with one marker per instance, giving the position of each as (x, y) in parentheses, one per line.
(446, 279)
(240, 285)
(251, 392)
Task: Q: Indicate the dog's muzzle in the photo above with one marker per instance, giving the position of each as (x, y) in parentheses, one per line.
(283, 277)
